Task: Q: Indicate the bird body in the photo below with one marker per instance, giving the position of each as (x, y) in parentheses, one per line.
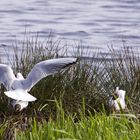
(118, 103)
(18, 87)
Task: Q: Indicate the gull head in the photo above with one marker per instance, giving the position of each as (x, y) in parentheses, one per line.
(17, 108)
(19, 105)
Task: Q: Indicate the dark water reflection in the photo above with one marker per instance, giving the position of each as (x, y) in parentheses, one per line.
(94, 22)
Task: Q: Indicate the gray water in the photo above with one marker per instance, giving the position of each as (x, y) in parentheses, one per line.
(96, 22)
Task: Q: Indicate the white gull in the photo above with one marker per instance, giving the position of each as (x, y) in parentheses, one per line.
(18, 87)
(118, 103)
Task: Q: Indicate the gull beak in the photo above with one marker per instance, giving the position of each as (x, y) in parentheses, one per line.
(17, 108)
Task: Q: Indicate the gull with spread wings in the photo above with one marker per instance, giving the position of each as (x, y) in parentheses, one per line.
(18, 87)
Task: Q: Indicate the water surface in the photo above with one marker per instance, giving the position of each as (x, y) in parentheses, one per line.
(96, 23)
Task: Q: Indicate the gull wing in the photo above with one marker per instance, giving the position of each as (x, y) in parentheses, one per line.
(6, 76)
(20, 95)
(45, 68)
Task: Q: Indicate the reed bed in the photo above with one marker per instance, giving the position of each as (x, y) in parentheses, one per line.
(82, 91)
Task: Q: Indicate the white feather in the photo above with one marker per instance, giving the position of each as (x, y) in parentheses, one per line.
(18, 86)
(20, 95)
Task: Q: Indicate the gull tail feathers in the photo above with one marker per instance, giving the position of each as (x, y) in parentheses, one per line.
(20, 95)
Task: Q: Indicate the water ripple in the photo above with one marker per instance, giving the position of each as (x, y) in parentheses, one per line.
(95, 22)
